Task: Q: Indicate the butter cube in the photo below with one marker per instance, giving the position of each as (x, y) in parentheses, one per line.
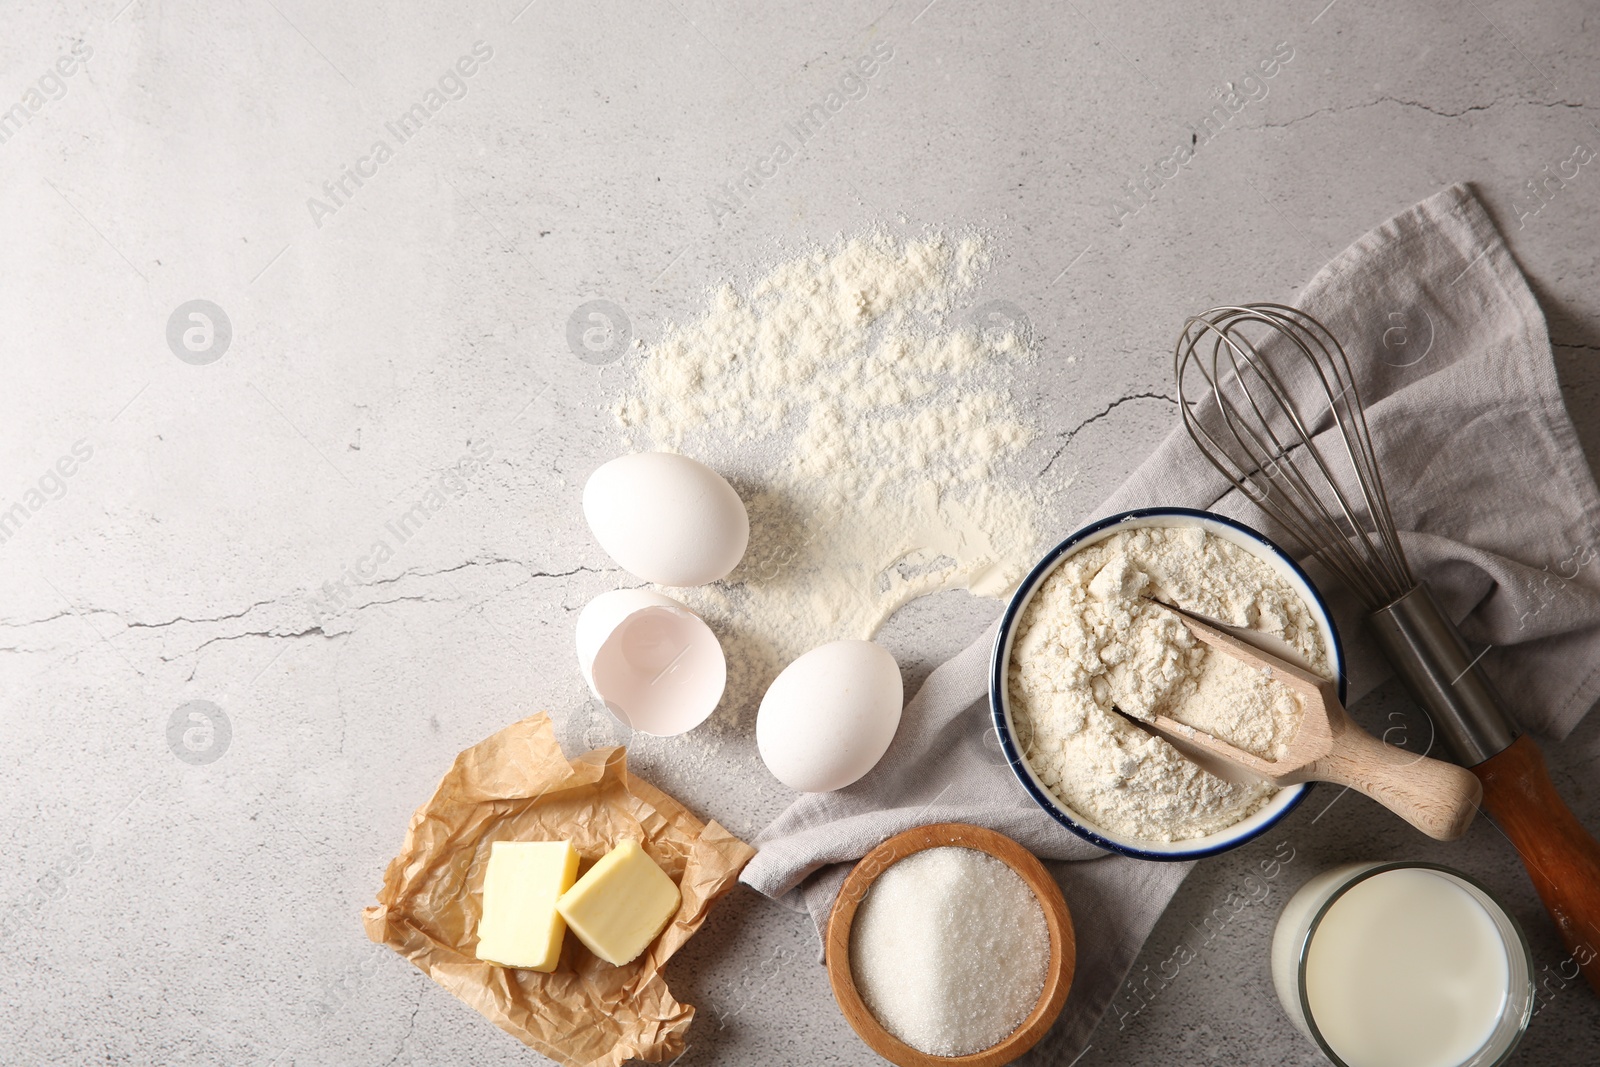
(621, 904)
(520, 926)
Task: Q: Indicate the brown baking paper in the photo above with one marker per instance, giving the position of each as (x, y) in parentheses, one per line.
(517, 785)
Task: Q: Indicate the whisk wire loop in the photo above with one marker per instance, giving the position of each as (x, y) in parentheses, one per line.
(1274, 380)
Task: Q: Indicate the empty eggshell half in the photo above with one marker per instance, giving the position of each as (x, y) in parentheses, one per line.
(667, 518)
(651, 661)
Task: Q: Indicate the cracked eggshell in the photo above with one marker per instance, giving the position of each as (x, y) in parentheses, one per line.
(667, 518)
(651, 661)
(828, 718)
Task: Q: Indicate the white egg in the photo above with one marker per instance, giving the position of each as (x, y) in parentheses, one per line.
(667, 518)
(829, 716)
(652, 662)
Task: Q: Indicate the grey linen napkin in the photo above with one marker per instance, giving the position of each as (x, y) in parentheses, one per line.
(1500, 515)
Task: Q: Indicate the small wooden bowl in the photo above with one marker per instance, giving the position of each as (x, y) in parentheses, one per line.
(1058, 974)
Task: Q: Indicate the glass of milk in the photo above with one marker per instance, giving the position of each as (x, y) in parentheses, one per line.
(1403, 965)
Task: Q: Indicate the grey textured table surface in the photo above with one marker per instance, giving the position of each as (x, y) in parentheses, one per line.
(162, 910)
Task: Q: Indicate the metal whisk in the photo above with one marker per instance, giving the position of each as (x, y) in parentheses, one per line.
(1266, 441)
(1268, 394)
(1275, 380)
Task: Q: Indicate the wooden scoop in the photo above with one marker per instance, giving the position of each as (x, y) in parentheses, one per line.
(1437, 798)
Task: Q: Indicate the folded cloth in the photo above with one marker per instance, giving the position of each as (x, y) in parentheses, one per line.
(1499, 513)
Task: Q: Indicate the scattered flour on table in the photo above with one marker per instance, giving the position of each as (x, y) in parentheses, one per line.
(949, 950)
(1088, 641)
(866, 422)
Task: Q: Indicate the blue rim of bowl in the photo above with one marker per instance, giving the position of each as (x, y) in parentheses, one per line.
(997, 677)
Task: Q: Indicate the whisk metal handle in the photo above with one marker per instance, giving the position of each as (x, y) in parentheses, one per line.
(1432, 660)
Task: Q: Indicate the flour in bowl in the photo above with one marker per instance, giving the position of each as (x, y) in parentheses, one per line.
(1090, 641)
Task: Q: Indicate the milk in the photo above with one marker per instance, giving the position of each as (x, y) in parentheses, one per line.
(1407, 968)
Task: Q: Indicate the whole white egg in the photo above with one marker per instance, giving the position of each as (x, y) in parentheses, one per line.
(667, 518)
(829, 716)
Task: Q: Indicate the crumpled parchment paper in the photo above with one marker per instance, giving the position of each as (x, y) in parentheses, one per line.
(517, 785)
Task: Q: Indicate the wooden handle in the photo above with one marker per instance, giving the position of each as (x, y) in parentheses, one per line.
(1438, 798)
(1562, 858)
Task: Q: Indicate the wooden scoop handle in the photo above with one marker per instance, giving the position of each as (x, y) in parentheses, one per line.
(1438, 798)
(1562, 858)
